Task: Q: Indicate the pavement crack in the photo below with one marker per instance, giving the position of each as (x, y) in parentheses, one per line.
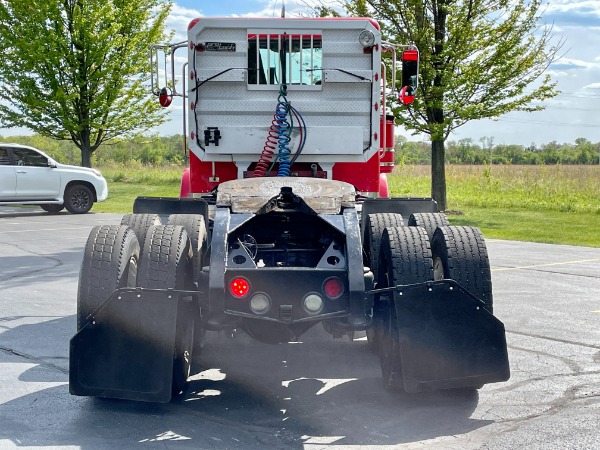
(57, 262)
(575, 368)
(34, 359)
(530, 380)
(556, 272)
(501, 268)
(548, 338)
(568, 397)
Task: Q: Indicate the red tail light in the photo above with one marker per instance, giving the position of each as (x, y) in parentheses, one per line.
(333, 287)
(239, 287)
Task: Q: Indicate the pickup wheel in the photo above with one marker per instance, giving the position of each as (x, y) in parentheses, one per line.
(460, 253)
(429, 221)
(110, 262)
(405, 258)
(79, 199)
(52, 208)
(374, 227)
(140, 223)
(166, 262)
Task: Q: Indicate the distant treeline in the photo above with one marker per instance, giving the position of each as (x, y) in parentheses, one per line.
(168, 150)
(466, 151)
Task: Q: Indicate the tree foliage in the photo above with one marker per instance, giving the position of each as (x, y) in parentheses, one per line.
(77, 69)
(478, 59)
(141, 149)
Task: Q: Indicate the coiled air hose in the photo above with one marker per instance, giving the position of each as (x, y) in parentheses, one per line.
(278, 139)
(263, 164)
(284, 130)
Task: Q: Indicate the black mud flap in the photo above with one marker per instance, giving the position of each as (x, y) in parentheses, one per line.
(448, 339)
(126, 349)
(168, 205)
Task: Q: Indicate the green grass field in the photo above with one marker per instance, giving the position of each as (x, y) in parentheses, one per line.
(551, 204)
(125, 183)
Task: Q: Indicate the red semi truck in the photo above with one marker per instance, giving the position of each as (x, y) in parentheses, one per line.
(284, 222)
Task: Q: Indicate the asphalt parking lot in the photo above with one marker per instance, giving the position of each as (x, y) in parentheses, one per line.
(318, 393)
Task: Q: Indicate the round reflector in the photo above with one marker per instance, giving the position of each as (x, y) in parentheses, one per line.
(313, 303)
(333, 287)
(239, 287)
(260, 303)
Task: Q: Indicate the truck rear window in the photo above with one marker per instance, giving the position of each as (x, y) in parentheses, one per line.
(293, 59)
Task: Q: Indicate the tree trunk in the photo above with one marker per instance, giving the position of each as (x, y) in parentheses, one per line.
(86, 157)
(438, 173)
(86, 146)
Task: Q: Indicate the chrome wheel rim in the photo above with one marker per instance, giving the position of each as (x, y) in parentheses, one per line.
(438, 269)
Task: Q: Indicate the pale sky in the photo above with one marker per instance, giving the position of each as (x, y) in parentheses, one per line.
(574, 113)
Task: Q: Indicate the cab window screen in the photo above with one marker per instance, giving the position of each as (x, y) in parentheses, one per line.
(298, 57)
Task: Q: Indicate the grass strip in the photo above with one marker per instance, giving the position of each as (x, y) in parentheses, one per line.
(549, 204)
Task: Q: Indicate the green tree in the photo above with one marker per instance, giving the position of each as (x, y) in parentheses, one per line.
(462, 152)
(411, 152)
(587, 153)
(77, 69)
(478, 59)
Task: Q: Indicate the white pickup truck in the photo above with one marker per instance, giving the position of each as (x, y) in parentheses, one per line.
(30, 177)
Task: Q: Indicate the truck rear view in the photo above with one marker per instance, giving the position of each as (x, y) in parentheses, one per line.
(285, 222)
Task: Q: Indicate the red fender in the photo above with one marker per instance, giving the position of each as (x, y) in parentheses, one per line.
(384, 190)
(186, 186)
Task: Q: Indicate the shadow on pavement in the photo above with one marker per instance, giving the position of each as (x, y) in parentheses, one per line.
(247, 395)
(25, 211)
(12, 211)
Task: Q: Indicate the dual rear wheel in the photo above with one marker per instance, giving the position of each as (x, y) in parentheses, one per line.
(407, 257)
(114, 259)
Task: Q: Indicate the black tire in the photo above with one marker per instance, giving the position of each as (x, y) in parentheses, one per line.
(429, 221)
(460, 254)
(405, 258)
(52, 208)
(166, 262)
(140, 223)
(195, 227)
(374, 226)
(110, 261)
(79, 199)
